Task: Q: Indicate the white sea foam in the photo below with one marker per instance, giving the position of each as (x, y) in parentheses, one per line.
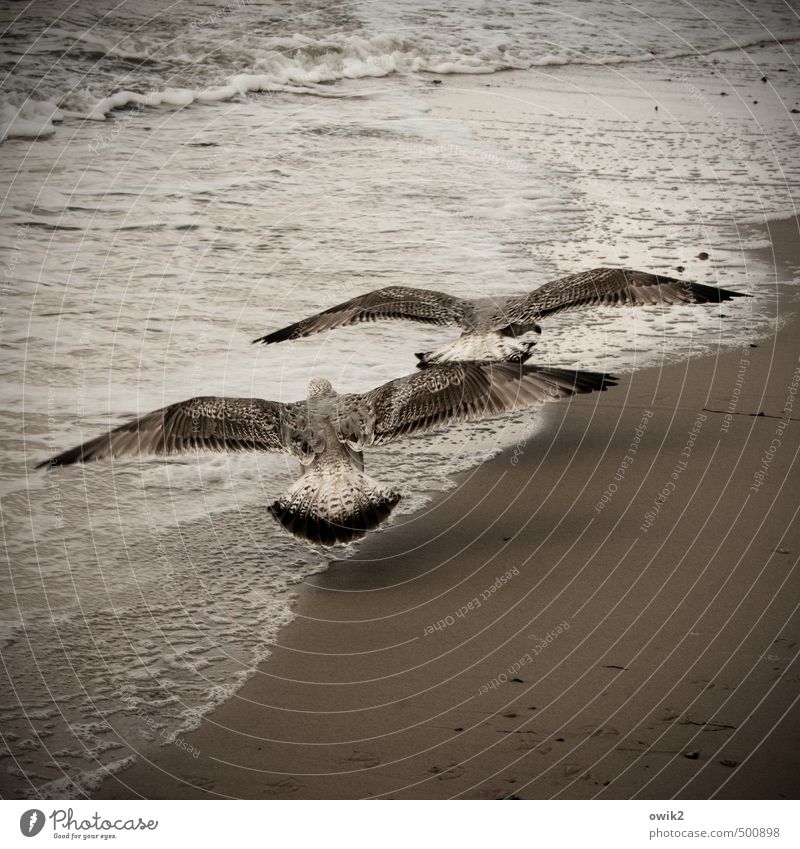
(764, 217)
(24, 118)
(305, 64)
(81, 783)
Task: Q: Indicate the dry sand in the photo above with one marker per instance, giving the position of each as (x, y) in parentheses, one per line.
(672, 668)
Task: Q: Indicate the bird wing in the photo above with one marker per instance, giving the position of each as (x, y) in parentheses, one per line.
(211, 424)
(398, 302)
(604, 287)
(459, 392)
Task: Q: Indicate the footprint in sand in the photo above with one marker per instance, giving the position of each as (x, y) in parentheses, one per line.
(594, 731)
(447, 773)
(364, 760)
(202, 782)
(284, 787)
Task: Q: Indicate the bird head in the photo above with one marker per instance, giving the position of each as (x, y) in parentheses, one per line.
(318, 387)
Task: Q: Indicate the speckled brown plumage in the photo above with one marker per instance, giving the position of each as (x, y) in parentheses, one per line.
(335, 501)
(490, 326)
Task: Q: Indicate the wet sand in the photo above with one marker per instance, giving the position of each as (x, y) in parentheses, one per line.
(610, 610)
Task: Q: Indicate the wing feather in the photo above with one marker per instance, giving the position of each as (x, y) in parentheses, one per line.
(459, 392)
(605, 287)
(202, 423)
(394, 302)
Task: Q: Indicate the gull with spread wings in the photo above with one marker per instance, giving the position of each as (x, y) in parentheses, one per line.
(490, 327)
(334, 500)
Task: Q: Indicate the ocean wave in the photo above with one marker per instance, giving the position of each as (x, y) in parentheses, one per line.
(23, 118)
(765, 217)
(126, 49)
(82, 783)
(304, 65)
(573, 58)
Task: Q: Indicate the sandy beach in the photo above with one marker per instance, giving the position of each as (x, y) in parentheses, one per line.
(609, 610)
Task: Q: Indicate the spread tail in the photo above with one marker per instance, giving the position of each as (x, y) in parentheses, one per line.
(700, 293)
(336, 506)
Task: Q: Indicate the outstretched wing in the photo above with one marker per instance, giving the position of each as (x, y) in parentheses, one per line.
(605, 287)
(199, 424)
(394, 302)
(466, 391)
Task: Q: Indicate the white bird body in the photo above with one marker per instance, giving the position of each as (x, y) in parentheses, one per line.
(488, 347)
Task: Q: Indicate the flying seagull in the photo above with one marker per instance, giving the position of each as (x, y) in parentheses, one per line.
(334, 500)
(490, 327)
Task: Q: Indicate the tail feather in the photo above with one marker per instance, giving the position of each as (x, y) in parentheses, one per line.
(700, 293)
(580, 381)
(329, 507)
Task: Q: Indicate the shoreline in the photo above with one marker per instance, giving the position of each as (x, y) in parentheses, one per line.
(676, 673)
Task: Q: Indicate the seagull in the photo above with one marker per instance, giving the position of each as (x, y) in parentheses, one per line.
(490, 327)
(334, 501)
